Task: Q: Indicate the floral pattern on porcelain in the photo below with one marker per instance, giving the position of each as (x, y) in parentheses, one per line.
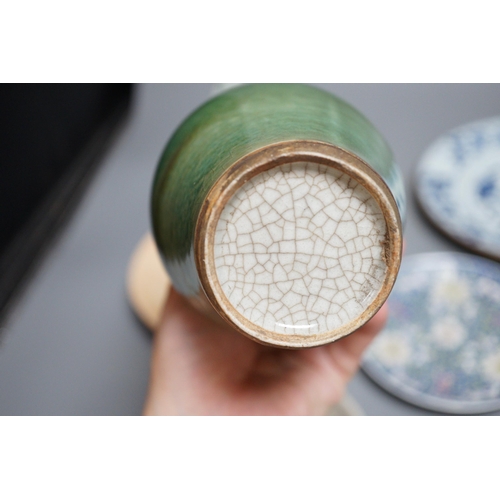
(458, 185)
(441, 346)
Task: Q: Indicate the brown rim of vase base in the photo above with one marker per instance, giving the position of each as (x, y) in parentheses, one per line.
(267, 158)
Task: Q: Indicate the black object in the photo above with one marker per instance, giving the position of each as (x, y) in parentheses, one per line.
(51, 139)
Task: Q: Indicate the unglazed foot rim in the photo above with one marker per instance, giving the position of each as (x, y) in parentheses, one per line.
(329, 164)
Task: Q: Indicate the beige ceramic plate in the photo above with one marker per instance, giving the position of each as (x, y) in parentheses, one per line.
(148, 284)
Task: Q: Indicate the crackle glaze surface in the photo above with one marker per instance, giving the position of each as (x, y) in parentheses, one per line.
(298, 249)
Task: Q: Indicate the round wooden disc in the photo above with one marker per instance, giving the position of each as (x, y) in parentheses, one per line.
(148, 283)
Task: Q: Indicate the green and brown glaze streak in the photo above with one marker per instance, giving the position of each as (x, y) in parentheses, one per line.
(229, 127)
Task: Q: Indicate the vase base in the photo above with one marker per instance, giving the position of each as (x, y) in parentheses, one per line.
(298, 244)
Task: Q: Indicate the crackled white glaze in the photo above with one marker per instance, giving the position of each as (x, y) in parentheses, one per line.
(298, 249)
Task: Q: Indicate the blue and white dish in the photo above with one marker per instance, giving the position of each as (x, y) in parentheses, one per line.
(458, 185)
(441, 346)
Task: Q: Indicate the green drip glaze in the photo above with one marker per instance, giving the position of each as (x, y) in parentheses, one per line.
(232, 125)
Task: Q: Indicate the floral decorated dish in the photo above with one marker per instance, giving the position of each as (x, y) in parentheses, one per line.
(458, 185)
(441, 347)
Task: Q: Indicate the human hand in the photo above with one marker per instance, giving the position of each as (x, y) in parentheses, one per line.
(202, 367)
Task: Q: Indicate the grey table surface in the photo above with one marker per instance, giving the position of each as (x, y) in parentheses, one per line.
(72, 346)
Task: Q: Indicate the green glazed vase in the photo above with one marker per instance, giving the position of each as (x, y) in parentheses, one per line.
(278, 208)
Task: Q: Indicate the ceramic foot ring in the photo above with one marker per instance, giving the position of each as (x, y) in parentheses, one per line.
(278, 207)
(293, 249)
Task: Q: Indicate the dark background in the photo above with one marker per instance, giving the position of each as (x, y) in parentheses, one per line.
(52, 137)
(71, 345)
